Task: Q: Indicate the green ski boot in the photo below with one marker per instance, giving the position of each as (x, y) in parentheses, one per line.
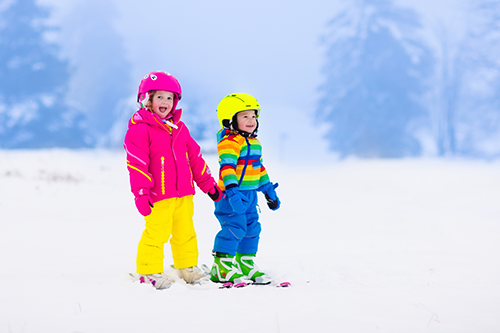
(249, 268)
(224, 270)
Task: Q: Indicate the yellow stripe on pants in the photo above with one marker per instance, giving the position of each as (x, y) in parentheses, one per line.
(169, 217)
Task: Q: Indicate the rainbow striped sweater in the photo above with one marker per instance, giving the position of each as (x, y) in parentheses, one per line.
(240, 155)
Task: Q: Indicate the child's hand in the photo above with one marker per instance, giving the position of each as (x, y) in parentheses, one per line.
(143, 201)
(269, 190)
(238, 202)
(215, 193)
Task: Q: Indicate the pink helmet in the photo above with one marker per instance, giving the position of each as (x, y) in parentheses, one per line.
(159, 81)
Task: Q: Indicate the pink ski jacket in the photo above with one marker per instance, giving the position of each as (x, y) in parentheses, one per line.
(164, 159)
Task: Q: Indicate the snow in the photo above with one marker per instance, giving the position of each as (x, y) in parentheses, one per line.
(369, 246)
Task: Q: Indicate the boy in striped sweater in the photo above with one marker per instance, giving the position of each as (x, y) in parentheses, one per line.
(241, 176)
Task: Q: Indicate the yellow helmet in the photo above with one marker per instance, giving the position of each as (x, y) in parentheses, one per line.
(234, 103)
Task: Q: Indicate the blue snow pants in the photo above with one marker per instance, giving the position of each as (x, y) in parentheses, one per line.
(240, 232)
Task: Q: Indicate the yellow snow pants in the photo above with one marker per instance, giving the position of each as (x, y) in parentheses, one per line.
(169, 217)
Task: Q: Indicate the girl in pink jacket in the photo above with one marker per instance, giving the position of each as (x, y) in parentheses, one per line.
(164, 162)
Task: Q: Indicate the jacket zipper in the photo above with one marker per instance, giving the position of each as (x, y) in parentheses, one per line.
(246, 162)
(170, 130)
(163, 175)
(175, 162)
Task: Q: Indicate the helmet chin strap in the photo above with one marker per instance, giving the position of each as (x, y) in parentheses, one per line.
(237, 130)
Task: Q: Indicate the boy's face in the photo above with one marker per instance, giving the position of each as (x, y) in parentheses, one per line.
(247, 121)
(162, 103)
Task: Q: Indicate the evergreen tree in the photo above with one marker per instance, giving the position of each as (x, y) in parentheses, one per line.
(375, 81)
(477, 119)
(33, 80)
(446, 87)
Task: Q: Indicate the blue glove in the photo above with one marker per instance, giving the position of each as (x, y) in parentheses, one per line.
(238, 202)
(273, 202)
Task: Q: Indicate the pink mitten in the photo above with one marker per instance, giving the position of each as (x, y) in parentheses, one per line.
(143, 201)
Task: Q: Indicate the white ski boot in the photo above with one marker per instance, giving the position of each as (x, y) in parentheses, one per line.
(192, 275)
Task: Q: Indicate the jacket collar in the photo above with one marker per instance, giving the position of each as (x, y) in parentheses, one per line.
(145, 116)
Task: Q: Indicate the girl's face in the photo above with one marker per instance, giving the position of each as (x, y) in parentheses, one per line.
(247, 121)
(162, 103)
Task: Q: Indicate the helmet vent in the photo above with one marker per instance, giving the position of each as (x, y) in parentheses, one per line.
(241, 99)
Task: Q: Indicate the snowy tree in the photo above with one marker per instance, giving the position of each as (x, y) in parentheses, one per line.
(33, 81)
(465, 110)
(376, 79)
(478, 79)
(447, 85)
(100, 86)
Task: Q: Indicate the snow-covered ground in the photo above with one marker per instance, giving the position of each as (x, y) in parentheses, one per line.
(369, 246)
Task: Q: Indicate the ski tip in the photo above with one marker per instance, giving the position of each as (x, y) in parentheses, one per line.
(229, 285)
(285, 284)
(226, 285)
(205, 268)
